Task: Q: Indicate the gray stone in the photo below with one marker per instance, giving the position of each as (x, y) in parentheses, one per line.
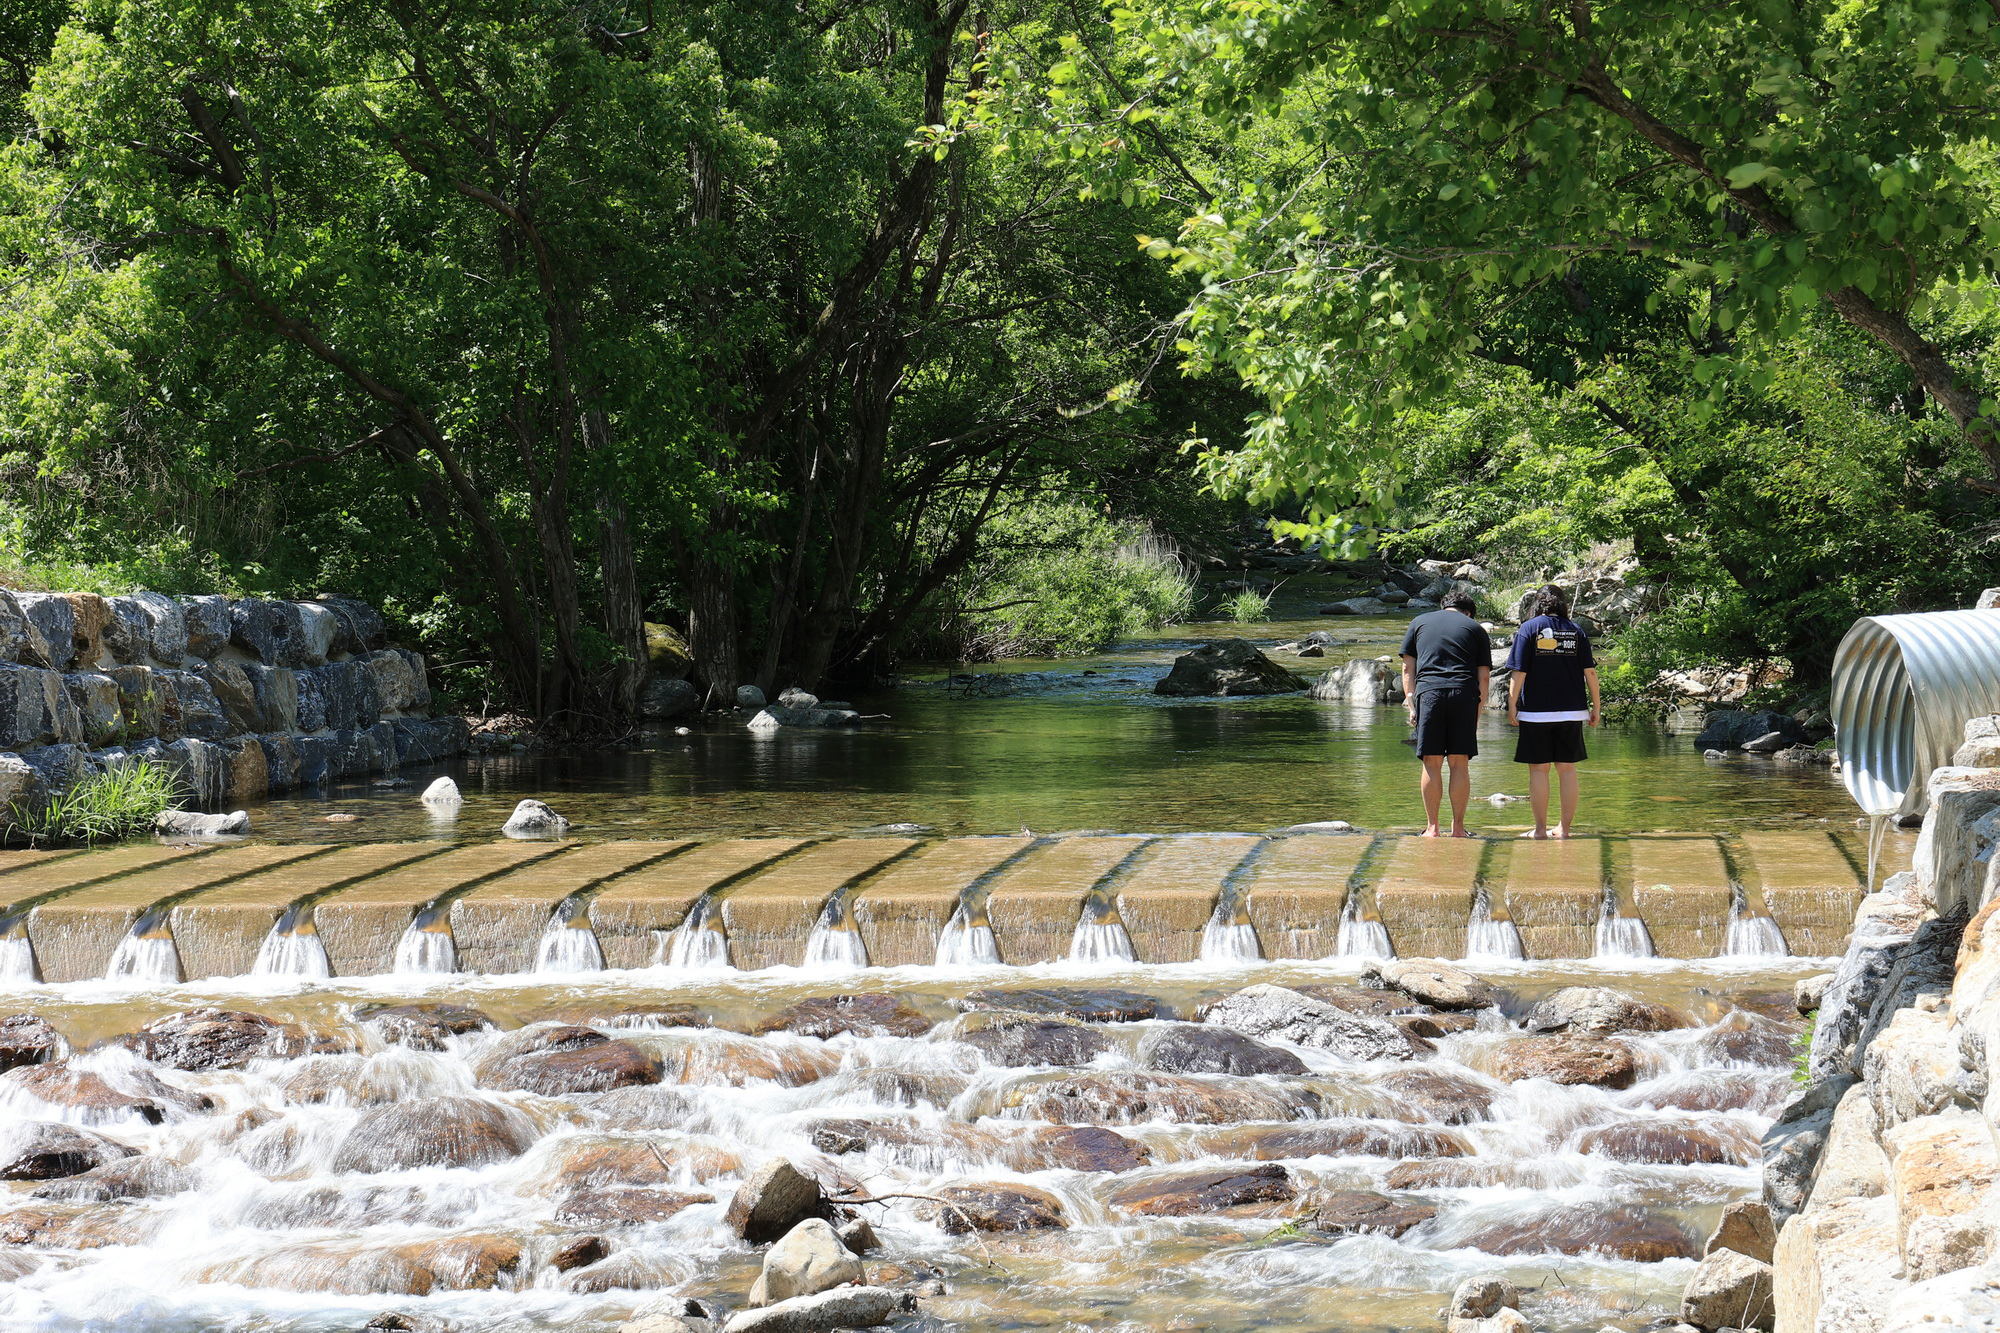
(434, 1131)
(319, 627)
(35, 708)
(1852, 1165)
(1483, 1297)
(1807, 992)
(20, 640)
(532, 819)
(1365, 680)
(858, 1236)
(1729, 1290)
(664, 697)
(810, 1259)
(399, 685)
(194, 711)
(95, 696)
(1960, 827)
(199, 766)
(1884, 925)
(1962, 1301)
(343, 695)
(749, 696)
(193, 823)
(1598, 1010)
(442, 792)
(778, 715)
(843, 1307)
(209, 624)
(1226, 667)
(309, 689)
(1431, 982)
(794, 697)
(147, 626)
(143, 698)
(1730, 729)
(55, 620)
(1769, 743)
(273, 632)
(60, 766)
(1274, 1011)
(1792, 1146)
(281, 761)
(777, 1197)
(45, 1150)
(360, 625)
(20, 783)
(1745, 1228)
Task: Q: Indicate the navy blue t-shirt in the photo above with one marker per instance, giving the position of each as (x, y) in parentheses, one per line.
(1554, 653)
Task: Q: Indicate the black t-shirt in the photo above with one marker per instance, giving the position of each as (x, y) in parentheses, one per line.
(1450, 647)
(1553, 653)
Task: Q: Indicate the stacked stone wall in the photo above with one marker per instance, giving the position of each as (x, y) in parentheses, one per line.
(241, 697)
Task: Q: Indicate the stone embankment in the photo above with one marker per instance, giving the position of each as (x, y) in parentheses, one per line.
(240, 698)
(1880, 1178)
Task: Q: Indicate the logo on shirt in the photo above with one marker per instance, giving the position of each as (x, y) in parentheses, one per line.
(1557, 643)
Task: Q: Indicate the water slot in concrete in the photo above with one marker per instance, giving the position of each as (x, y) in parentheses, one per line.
(636, 915)
(700, 943)
(1230, 935)
(1169, 892)
(146, 956)
(499, 924)
(292, 948)
(1751, 932)
(770, 915)
(363, 927)
(835, 942)
(930, 906)
(1620, 934)
(1296, 891)
(1036, 904)
(569, 944)
(1490, 931)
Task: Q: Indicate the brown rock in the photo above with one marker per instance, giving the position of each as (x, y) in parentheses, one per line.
(142, 1177)
(859, 1015)
(644, 1106)
(1351, 1212)
(577, 1253)
(45, 1150)
(454, 1263)
(1187, 1194)
(998, 1208)
(434, 1131)
(209, 1038)
(564, 1061)
(1199, 1048)
(1372, 1002)
(777, 1197)
(1082, 1148)
(1334, 1138)
(1597, 1011)
(1087, 1006)
(1134, 1099)
(1433, 1095)
(1715, 1090)
(628, 1270)
(1659, 1145)
(1731, 1290)
(352, 1080)
(898, 1087)
(623, 1206)
(1745, 1228)
(721, 1061)
(28, 1039)
(583, 1163)
(1430, 1027)
(1567, 1060)
(466, 1263)
(1747, 1039)
(83, 1091)
(1620, 1232)
(423, 1027)
(1460, 1173)
(68, 1227)
(1025, 1040)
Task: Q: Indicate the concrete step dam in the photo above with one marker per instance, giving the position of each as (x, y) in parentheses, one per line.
(155, 913)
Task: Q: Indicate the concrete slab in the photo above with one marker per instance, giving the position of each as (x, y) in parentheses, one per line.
(498, 926)
(1808, 884)
(219, 933)
(902, 913)
(634, 914)
(1033, 905)
(1170, 891)
(1555, 891)
(769, 915)
(1295, 891)
(32, 875)
(1681, 888)
(75, 935)
(361, 926)
(1423, 891)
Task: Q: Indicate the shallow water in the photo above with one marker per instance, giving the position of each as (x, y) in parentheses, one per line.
(1076, 743)
(269, 1209)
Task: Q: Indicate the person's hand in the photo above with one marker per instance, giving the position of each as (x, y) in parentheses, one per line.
(1593, 715)
(1410, 712)
(1513, 718)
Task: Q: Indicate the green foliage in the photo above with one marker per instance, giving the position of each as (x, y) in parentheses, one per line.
(121, 802)
(1247, 607)
(1802, 1052)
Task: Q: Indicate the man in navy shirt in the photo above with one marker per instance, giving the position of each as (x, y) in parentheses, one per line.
(1447, 660)
(1551, 694)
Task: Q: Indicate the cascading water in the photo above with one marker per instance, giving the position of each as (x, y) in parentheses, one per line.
(1362, 934)
(1751, 932)
(146, 955)
(569, 944)
(17, 953)
(1621, 936)
(427, 946)
(967, 940)
(835, 941)
(699, 941)
(1100, 934)
(1229, 936)
(1489, 934)
(293, 948)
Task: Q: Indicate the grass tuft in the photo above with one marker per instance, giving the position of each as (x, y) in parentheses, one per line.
(1248, 607)
(121, 802)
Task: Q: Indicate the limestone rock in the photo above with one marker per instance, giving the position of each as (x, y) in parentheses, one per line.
(532, 819)
(1275, 1011)
(1852, 1164)
(843, 1307)
(1567, 1060)
(442, 792)
(808, 1260)
(1942, 1167)
(196, 824)
(1228, 667)
(1204, 1048)
(1197, 1192)
(46, 1150)
(988, 1207)
(1431, 981)
(1745, 1228)
(1837, 1267)
(1808, 991)
(1961, 1301)
(434, 1131)
(1729, 1290)
(1793, 1144)
(564, 1060)
(1599, 1011)
(1934, 1246)
(319, 630)
(1884, 925)
(1912, 1068)
(777, 1197)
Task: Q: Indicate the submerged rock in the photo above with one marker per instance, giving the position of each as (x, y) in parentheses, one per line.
(442, 792)
(808, 1260)
(859, 1015)
(46, 1150)
(1661, 1145)
(434, 1131)
(208, 1038)
(1198, 1048)
(1618, 1232)
(141, 1177)
(1084, 1005)
(423, 1027)
(562, 1061)
(1364, 1212)
(1334, 1138)
(1082, 1148)
(998, 1208)
(1197, 1192)
(1227, 667)
(1567, 1060)
(532, 819)
(623, 1206)
(644, 1106)
(28, 1039)
(1134, 1099)
(578, 1253)
(83, 1093)
(1274, 1011)
(1598, 1011)
(1023, 1040)
(1746, 1039)
(1428, 1094)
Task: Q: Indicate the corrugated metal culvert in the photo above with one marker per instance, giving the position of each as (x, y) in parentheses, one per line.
(1903, 689)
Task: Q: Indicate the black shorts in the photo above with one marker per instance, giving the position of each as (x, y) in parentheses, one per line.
(1550, 743)
(1448, 722)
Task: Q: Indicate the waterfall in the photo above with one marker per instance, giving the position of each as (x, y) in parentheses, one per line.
(967, 940)
(1621, 936)
(146, 955)
(1229, 936)
(835, 942)
(427, 946)
(293, 949)
(1490, 936)
(1362, 935)
(568, 943)
(1751, 932)
(1100, 934)
(699, 941)
(17, 953)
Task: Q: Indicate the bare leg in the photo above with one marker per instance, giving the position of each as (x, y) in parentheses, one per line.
(1431, 783)
(1567, 779)
(1461, 794)
(1538, 798)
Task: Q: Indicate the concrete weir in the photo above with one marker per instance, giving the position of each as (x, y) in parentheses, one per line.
(1034, 904)
(634, 914)
(1809, 885)
(1296, 889)
(1169, 892)
(770, 915)
(499, 924)
(1682, 890)
(1423, 893)
(361, 926)
(901, 913)
(1555, 891)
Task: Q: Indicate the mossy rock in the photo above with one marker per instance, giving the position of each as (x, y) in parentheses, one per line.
(667, 652)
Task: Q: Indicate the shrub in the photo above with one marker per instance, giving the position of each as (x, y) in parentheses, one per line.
(121, 802)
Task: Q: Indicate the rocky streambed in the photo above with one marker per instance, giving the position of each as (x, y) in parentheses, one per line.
(1271, 1146)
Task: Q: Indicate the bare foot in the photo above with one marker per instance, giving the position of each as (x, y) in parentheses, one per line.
(1537, 834)
(1561, 834)
(1460, 833)
(1432, 832)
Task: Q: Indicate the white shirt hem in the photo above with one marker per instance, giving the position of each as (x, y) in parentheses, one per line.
(1574, 715)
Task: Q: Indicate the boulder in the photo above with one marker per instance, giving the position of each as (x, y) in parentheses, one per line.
(1598, 1011)
(54, 620)
(749, 696)
(359, 625)
(1365, 680)
(20, 782)
(434, 1131)
(398, 679)
(1729, 1290)
(1769, 743)
(1094, 1098)
(1619, 1231)
(1334, 1138)
(643, 1107)
(1566, 1060)
(94, 695)
(842, 1307)
(1087, 1006)
(668, 656)
(209, 623)
(857, 1015)
(562, 1061)
(1085, 1148)
(1364, 1212)
(1807, 992)
(809, 1259)
(196, 824)
(532, 819)
(422, 1027)
(1792, 1146)
(83, 1093)
(1024, 1040)
(272, 632)
(998, 1208)
(1203, 1048)
(442, 792)
(1275, 1011)
(1190, 1193)
(623, 1206)
(578, 1253)
(45, 1150)
(1732, 729)
(777, 1197)
(143, 698)
(1745, 1039)
(35, 708)
(140, 1177)
(319, 630)
(1430, 981)
(28, 1039)
(1745, 1228)
(190, 709)
(663, 697)
(208, 1038)
(1229, 667)
(20, 638)
(1660, 1144)
(1422, 1093)
(1482, 1298)
(779, 715)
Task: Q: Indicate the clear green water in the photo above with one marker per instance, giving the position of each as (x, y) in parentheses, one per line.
(1070, 744)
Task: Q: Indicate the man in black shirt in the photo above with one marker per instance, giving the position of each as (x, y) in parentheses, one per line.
(1447, 661)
